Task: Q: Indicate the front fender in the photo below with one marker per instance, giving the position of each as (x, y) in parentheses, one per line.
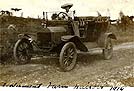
(103, 37)
(76, 40)
(30, 37)
(23, 36)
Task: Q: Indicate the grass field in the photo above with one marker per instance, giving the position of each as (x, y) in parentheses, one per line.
(123, 36)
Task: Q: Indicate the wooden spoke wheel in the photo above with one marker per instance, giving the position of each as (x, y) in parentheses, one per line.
(22, 51)
(68, 56)
(108, 50)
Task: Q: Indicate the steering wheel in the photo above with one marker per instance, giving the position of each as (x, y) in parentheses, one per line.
(64, 16)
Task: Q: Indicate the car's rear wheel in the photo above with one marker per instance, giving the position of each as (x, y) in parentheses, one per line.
(22, 51)
(68, 56)
(108, 50)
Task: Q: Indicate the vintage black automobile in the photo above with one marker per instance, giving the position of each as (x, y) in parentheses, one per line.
(63, 35)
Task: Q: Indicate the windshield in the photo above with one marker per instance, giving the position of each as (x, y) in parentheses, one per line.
(57, 15)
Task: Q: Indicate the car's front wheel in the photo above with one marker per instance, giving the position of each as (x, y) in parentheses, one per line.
(22, 51)
(68, 56)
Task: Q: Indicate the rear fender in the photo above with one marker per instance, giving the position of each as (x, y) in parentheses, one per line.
(111, 35)
(103, 38)
(76, 40)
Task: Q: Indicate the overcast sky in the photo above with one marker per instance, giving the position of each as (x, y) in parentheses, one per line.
(33, 8)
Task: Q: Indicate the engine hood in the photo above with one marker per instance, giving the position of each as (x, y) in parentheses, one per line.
(57, 29)
(51, 35)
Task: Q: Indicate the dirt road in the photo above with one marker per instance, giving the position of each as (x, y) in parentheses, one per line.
(91, 69)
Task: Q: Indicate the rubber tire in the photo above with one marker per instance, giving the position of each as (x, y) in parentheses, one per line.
(17, 59)
(72, 65)
(105, 54)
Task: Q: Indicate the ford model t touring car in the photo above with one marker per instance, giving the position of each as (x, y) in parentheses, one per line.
(63, 35)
